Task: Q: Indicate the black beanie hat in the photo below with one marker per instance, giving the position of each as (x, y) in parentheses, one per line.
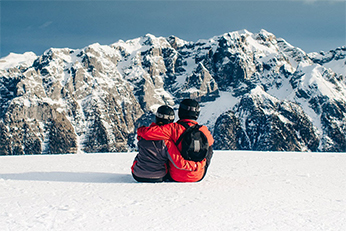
(189, 109)
(165, 115)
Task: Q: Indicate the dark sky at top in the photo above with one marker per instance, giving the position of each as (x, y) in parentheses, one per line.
(39, 25)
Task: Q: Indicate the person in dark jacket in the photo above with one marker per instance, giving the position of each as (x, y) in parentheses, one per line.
(150, 164)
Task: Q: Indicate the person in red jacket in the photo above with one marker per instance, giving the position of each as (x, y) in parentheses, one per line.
(150, 164)
(180, 170)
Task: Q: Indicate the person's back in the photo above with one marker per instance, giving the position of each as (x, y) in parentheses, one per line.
(150, 164)
(180, 169)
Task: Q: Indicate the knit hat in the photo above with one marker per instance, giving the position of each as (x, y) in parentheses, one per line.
(189, 109)
(165, 115)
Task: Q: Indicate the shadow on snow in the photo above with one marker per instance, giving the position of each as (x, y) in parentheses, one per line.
(83, 177)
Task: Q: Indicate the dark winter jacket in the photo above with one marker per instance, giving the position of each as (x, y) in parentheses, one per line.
(150, 162)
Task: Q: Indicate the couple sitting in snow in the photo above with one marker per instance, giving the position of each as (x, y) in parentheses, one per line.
(159, 158)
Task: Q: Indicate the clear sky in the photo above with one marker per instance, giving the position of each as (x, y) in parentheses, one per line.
(312, 25)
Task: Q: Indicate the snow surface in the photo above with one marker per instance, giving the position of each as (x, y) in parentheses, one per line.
(242, 191)
(210, 111)
(338, 66)
(13, 60)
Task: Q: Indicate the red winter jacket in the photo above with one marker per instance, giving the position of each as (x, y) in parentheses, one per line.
(180, 170)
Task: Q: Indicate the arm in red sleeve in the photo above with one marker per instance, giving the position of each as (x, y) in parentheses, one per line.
(155, 132)
(144, 127)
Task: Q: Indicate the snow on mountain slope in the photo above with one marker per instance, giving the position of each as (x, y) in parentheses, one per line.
(242, 191)
(333, 59)
(13, 60)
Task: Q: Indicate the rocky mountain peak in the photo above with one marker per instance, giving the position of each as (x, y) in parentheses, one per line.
(257, 92)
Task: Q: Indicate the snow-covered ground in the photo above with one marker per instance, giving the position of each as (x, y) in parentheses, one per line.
(242, 191)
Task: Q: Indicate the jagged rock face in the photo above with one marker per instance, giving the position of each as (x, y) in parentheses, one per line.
(268, 125)
(257, 92)
(229, 134)
(334, 132)
(67, 102)
(205, 87)
(5, 147)
(326, 57)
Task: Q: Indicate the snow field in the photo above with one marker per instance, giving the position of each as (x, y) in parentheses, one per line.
(241, 191)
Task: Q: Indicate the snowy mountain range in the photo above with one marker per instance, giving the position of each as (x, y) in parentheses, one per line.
(257, 92)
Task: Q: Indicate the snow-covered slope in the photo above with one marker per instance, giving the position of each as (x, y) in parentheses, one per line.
(14, 60)
(334, 59)
(242, 191)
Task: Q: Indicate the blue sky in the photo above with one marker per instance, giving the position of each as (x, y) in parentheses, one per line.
(312, 25)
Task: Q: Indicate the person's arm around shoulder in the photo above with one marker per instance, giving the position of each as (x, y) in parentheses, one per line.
(155, 132)
(140, 137)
